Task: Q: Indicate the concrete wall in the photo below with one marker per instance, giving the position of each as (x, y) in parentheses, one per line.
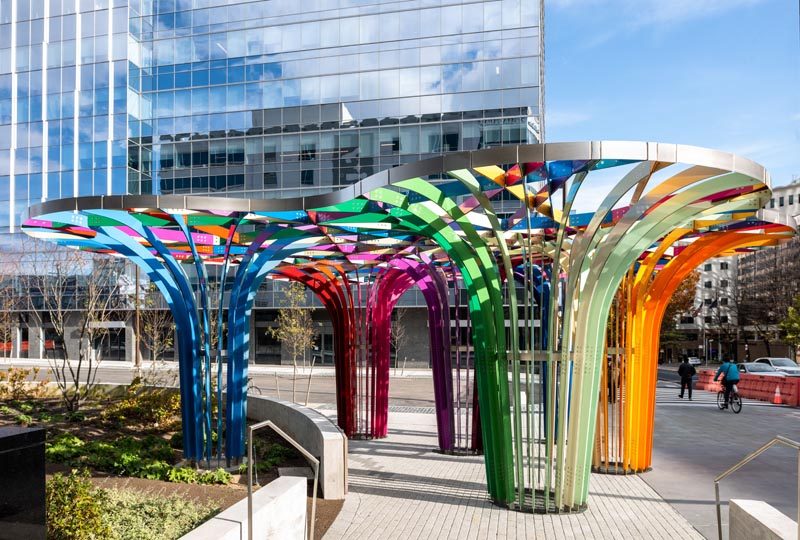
(314, 432)
(757, 520)
(279, 513)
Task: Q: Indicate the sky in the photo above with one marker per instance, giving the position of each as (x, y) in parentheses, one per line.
(723, 74)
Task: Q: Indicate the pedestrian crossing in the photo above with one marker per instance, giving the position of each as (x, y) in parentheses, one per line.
(667, 393)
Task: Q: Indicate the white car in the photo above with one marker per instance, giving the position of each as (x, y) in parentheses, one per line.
(694, 361)
(760, 368)
(785, 365)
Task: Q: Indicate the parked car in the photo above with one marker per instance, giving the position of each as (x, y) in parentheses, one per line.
(695, 361)
(785, 365)
(754, 368)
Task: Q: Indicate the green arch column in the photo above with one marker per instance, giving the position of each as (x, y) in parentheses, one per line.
(482, 279)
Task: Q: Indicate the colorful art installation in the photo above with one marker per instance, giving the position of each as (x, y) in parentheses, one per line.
(626, 414)
(518, 283)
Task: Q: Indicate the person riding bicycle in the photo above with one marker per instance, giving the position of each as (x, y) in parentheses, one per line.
(731, 376)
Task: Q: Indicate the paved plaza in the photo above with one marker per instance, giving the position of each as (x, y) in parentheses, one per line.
(401, 488)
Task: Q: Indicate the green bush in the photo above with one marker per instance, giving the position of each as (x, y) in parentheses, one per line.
(140, 516)
(24, 419)
(156, 407)
(75, 509)
(176, 441)
(188, 475)
(267, 456)
(76, 416)
(149, 457)
(217, 476)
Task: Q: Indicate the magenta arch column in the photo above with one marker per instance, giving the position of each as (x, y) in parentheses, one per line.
(393, 283)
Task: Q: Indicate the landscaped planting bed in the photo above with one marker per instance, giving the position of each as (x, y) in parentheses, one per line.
(115, 466)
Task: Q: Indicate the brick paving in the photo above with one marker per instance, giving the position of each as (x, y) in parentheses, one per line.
(401, 489)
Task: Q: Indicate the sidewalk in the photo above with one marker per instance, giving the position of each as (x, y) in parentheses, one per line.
(401, 488)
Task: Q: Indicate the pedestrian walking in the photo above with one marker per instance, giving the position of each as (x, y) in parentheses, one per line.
(686, 371)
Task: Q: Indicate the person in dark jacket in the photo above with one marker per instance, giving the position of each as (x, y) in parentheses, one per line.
(731, 373)
(686, 371)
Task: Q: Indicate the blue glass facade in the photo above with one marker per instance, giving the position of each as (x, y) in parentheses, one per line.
(63, 101)
(266, 98)
(279, 98)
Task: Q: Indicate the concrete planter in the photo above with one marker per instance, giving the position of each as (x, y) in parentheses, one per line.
(314, 432)
(279, 513)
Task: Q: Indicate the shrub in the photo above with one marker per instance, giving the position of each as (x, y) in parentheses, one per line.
(149, 457)
(75, 509)
(14, 384)
(156, 407)
(176, 441)
(24, 420)
(267, 456)
(140, 516)
(217, 476)
(189, 475)
(76, 416)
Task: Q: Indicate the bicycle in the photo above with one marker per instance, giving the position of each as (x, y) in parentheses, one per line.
(735, 403)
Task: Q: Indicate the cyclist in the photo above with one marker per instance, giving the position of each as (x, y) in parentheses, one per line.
(731, 376)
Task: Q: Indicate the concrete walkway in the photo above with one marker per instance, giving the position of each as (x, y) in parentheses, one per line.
(401, 488)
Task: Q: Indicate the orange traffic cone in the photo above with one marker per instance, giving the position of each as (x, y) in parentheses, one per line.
(776, 399)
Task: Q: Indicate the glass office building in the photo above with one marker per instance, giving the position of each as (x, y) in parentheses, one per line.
(63, 101)
(266, 98)
(269, 98)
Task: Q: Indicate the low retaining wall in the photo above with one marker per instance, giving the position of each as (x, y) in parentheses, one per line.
(314, 432)
(757, 520)
(279, 513)
(760, 387)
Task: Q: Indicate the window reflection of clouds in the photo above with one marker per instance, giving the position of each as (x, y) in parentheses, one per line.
(398, 64)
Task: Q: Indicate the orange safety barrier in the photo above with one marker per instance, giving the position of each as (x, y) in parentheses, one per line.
(760, 387)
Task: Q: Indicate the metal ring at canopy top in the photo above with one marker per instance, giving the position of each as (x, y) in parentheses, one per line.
(525, 153)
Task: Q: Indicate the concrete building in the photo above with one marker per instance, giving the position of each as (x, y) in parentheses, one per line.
(246, 98)
(711, 325)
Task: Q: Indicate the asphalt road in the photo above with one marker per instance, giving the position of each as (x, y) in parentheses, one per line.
(695, 441)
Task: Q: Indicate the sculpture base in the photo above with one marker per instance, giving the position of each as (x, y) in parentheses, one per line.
(617, 468)
(536, 505)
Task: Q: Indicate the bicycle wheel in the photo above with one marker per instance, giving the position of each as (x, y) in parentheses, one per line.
(721, 400)
(736, 403)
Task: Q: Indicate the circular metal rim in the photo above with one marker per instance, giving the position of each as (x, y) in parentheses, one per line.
(536, 153)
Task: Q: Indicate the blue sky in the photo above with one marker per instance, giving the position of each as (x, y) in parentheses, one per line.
(723, 74)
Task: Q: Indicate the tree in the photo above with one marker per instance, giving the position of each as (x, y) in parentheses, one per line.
(399, 336)
(157, 329)
(295, 327)
(682, 301)
(790, 325)
(75, 295)
(769, 280)
(9, 317)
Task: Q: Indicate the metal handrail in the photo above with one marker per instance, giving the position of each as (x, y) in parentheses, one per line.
(314, 461)
(750, 457)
